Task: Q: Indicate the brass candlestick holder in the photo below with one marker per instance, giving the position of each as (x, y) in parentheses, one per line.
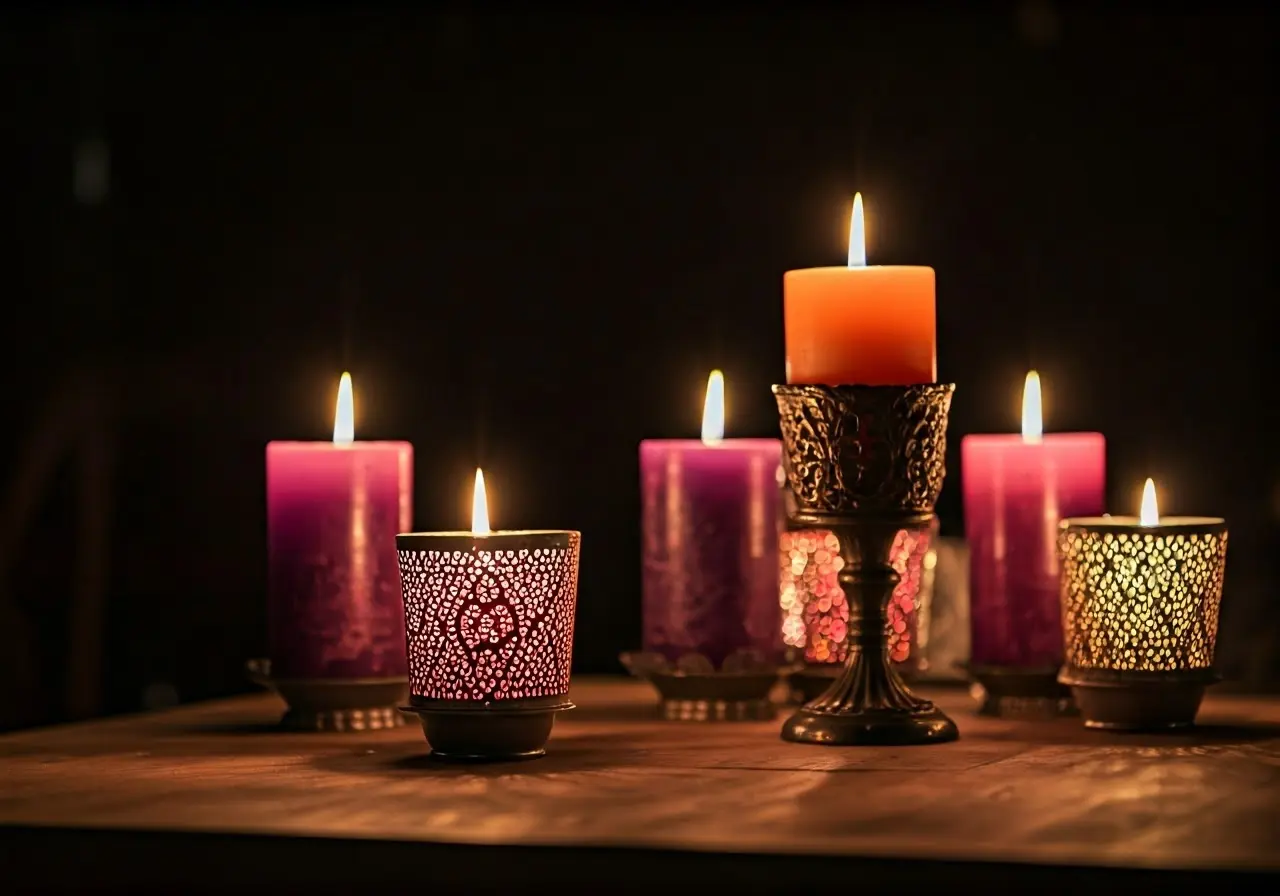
(866, 462)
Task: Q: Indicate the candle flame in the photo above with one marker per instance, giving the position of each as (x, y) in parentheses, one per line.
(479, 507)
(857, 235)
(1149, 515)
(1032, 413)
(344, 416)
(713, 410)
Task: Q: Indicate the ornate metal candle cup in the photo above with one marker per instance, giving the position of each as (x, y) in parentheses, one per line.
(1140, 617)
(489, 629)
(815, 611)
(866, 462)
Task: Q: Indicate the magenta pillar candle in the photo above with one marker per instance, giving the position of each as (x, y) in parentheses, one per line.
(1016, 490)
(333, 512)
(710, 521)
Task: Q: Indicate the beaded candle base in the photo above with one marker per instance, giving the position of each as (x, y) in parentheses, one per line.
(866, 462)
(489, 629)
(1140, 617)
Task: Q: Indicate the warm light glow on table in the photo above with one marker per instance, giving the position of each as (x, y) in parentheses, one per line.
(858, 324)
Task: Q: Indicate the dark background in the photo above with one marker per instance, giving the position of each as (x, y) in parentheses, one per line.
(530, 235)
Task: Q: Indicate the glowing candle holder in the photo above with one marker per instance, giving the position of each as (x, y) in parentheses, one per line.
(866, 462)
(1140, 600)
(489, 631)
(815, 611)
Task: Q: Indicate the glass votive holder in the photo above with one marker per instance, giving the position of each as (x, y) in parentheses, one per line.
(815, 613)
(1140, 617)
(489, 633)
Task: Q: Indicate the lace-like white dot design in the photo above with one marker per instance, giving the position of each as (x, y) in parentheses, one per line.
(491, 623)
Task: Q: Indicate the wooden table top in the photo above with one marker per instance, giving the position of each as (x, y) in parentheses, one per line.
(1046, 793)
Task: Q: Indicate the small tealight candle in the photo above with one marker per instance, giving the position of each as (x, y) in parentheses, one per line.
(1140, 600)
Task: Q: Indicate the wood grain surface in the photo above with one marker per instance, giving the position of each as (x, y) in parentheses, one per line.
(615, 776)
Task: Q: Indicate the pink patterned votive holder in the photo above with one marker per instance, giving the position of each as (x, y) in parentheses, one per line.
(489, 634)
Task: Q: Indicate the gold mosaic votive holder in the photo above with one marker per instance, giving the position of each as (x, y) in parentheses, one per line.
(1140, 617)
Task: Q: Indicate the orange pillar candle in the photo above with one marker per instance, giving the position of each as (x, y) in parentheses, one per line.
(860, 325)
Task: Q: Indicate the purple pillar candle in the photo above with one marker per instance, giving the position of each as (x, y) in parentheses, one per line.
(1017, 488)
(710, 522)
(333, 511)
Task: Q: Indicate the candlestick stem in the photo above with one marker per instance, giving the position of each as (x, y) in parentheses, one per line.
(868, 703)
(866, 462)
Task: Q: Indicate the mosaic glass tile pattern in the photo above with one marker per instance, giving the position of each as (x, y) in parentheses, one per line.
(815, 614)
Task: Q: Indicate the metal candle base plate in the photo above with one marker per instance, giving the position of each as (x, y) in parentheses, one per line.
(1020, 693)
(1138, 701)
(334, 704)
(463, 731)
(693, 690)
(866, 462)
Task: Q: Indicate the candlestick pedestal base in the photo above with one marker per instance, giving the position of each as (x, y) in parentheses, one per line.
(866, 462)
(324, 704)
(693, 690)
(465, 731)
(867, 703)
(1013, 693)
(1138, 701)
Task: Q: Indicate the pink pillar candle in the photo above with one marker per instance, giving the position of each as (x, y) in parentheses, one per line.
(710, 515)
(710, 533)
(334, 603)
(1017, 488)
